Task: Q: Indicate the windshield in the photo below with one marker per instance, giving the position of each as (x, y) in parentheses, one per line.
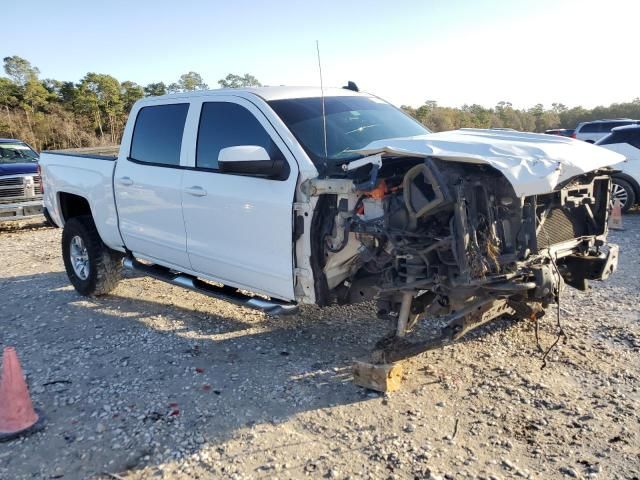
(352, 124)
(16, 153)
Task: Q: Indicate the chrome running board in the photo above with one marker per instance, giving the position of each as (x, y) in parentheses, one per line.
(226, 293)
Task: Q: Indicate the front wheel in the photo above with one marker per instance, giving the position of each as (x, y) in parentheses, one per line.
(92, 267)
(623, 191)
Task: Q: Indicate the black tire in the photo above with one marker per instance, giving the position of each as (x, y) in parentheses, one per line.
(104, 264)
(630, 199)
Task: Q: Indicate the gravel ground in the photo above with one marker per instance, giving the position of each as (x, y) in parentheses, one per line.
(157, 382)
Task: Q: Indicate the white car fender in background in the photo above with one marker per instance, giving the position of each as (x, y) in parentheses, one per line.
(631, 165)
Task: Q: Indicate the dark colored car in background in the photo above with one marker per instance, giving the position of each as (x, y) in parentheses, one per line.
(20, 183)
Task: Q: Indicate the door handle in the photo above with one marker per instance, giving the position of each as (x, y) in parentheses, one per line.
(196, 191)
(126, 181)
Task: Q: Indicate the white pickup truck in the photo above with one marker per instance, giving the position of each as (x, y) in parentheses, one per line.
(278, 196)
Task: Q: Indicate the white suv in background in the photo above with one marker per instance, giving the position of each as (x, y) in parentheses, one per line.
(593, 131)
(626, 184)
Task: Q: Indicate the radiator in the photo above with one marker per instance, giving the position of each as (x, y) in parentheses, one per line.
(561, 225)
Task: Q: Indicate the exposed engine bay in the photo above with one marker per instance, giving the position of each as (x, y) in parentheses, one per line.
(430, 237)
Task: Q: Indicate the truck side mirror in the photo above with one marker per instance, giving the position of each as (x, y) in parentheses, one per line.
(252, 160)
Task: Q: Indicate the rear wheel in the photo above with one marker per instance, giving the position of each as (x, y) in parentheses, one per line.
(92, 267)
(623, 191)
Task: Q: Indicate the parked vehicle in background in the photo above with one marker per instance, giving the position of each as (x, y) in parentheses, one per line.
(20, 184)
(595, 130)
(563, 132)
(626, 184)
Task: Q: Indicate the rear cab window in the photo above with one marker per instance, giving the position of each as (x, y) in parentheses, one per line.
(157, 134)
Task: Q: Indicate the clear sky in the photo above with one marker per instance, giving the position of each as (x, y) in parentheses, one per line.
(407, 51)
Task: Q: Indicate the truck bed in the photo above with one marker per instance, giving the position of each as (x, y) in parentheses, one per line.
(88, 174)
(106, 152)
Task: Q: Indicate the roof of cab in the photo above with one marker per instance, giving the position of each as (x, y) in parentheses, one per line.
(269, 93)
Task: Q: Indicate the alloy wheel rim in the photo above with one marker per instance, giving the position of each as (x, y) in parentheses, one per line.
(79, 257)
(619, 193)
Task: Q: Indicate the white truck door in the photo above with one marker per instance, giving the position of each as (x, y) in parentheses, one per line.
(147, 185)
(239, 226)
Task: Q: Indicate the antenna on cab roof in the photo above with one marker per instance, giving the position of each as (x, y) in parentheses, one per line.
(324, 117)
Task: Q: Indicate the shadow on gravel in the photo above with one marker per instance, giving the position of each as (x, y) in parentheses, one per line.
(21, 226)
(190, 378)
(121, 378)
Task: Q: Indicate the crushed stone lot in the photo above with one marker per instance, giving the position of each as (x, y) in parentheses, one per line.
(157, 382)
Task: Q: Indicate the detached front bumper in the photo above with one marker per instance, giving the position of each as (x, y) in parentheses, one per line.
(21, 210)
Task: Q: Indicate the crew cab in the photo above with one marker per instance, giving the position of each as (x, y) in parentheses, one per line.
(278, 196)
(20, 186)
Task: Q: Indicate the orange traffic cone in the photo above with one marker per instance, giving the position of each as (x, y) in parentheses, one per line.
(615, 220)
(17, 416)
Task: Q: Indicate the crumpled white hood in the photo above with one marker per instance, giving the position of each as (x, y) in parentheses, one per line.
(533, 163)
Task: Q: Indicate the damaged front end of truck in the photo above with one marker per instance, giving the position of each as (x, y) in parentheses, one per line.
(432, 237)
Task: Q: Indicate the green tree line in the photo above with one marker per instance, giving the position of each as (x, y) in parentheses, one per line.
(504, 115)
(51, 114)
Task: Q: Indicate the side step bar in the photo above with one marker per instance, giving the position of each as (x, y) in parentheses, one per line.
(226, 293)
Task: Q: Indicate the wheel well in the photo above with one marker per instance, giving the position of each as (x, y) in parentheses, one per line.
(72, 205)
(632, 181)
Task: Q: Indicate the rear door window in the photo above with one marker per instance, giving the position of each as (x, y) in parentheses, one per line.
(226, 124)
(157, 134)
